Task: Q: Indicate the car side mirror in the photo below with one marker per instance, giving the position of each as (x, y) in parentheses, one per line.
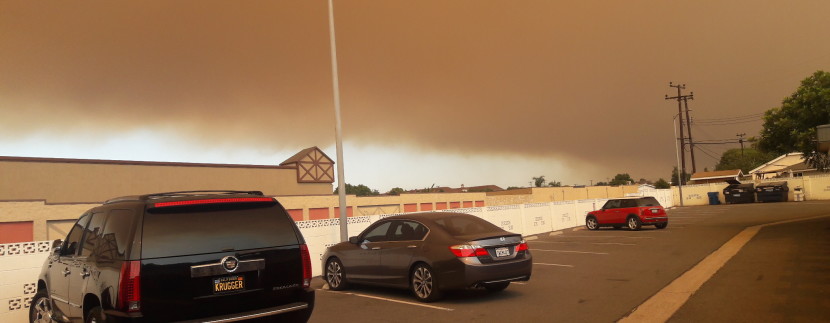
(353, 240)
(56, 246)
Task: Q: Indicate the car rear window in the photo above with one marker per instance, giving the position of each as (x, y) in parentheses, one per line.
(203, 229)
(461, 225)
(648, 201)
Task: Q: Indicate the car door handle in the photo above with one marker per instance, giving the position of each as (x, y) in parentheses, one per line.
(375, 248)
(66, 272)
(84, 273)
(412, 246)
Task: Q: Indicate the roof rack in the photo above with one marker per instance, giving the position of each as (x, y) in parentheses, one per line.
(178, 193)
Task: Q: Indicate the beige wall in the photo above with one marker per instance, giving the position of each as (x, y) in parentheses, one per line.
(87, 182)
(816, 187)
(40, 213)
(371, 205)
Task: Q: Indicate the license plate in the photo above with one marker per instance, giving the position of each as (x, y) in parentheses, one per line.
(502, 252)
(228, 284)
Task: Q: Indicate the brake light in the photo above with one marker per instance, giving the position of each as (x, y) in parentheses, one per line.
(306, 266)
(129, 287)
(521, 247)
(214, 201)
(465, 250)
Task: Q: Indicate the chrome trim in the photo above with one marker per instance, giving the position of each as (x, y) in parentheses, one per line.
(55, 298)
(216, 269)
(505, 280)
(254, 314)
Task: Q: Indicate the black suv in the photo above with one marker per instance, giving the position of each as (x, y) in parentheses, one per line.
(218, 256)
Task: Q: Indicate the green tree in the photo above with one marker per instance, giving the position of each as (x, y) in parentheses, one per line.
(745, 160)
(661, 184)
(359, 190)
(792, 126)
(555, 184)
(674, 179)
(621, 179)
(539, 181)
(395, 191)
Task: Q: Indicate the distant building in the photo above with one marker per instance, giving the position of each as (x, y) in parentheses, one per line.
(61, 180)
(462, 189)
(716, 176)
(786, 165)
(823, 133)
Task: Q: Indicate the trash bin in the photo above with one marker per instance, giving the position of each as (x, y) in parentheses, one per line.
(772, 192)
(798, 194)
(713, 198)
(738, 192)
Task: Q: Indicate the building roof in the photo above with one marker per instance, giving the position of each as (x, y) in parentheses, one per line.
(720, 174)
(303, 154)
(791, 161)
(128, 162)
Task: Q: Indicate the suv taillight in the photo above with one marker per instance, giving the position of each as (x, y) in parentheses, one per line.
(129, 287)
(306, 266)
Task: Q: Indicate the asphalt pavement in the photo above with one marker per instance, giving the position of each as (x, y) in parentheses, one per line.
(780, 275)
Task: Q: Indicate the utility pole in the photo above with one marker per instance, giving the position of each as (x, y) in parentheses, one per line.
(686, 99)
(680, 98)
(741, 140)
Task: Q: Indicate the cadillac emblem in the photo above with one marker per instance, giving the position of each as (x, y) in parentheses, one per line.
(230, 263)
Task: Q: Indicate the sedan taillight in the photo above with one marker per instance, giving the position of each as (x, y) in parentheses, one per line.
(465, 250)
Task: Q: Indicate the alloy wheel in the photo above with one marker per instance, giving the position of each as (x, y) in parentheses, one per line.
(42, 312)
(591, 223)
(334, 274)
(422, 282)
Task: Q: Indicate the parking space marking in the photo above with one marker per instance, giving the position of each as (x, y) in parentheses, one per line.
(555, 265)
(571, 251)
(395, 301)
(599, 243)
(598, 236)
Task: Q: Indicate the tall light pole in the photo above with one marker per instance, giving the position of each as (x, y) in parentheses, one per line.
(338, 129)
(677, 155)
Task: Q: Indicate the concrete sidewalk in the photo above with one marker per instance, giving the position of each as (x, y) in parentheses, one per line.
(781, 275)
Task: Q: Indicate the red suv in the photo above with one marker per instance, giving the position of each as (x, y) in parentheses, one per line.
(634, 212)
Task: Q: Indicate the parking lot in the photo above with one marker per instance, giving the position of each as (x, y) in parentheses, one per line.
(602, 276)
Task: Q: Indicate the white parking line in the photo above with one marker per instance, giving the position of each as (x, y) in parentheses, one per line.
(557, 265)
(395, 301)
(571, 251)
(600, 236)
(599, 243)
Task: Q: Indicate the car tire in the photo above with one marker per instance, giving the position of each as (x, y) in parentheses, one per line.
(661, 225)
(496, 287)
(633, 223)
(591, 223)
(40, 310)
(95, 315)
(335, 274)
(424, 284)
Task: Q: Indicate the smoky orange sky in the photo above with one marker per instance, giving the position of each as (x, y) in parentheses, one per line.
(578, 82)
